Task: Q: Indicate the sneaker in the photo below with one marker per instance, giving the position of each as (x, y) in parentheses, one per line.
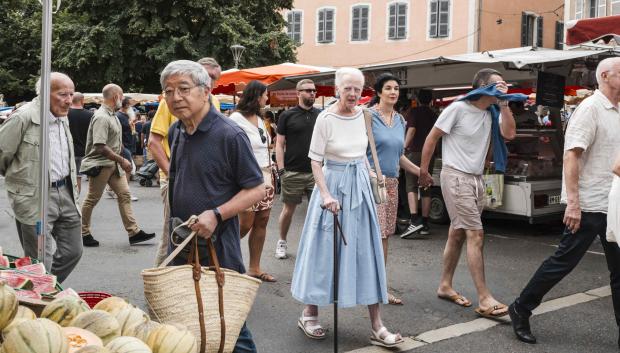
(426, 230)
(88, 240)
(133, 197)
(140, 237)
(410, 232)
(281, 249)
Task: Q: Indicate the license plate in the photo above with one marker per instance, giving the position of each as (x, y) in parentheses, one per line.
(554, 200)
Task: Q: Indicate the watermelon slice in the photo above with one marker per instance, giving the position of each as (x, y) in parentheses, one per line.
(22, 261)
(4, 262)
(42, 283)
(38, 269)
(28, 294)
(17, 281)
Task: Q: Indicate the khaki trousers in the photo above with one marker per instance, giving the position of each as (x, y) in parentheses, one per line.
(162, 249)
(118, 184)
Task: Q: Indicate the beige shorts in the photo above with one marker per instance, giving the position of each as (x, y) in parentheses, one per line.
(463, 194)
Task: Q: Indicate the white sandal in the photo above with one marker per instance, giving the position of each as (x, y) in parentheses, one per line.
(389, 341)
(310, 330)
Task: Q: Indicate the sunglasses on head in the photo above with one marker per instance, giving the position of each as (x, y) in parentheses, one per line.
(263, 138)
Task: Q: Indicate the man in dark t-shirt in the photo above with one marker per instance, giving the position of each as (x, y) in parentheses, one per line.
(213, 172)
(79, 120)
(420, 121)
(295, 125)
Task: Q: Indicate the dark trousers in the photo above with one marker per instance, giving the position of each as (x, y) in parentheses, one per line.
(570, 251)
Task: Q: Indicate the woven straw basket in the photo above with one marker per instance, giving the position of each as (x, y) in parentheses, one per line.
(171, 297)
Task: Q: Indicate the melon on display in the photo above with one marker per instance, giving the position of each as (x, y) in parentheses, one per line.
(16, 321)
(142, 330)
(79, 338)
(64, 310)
(25, 313)
(169, 339)
(126, 344)
(93, 349)
(8, 305)
(99, 322)
(112, 305)
(36, 336)
(130, 316)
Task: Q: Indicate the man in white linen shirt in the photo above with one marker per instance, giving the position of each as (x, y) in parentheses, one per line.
(20, 164)
(592, 139)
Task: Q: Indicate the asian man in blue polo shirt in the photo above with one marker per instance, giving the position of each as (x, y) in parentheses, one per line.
(213, 172)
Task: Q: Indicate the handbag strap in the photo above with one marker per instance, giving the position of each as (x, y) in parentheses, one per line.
(371, 141)
(194, 260)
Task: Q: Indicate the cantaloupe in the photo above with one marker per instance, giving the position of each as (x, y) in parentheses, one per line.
(126, 344)
(36, 336)
(142, 330)
(25, 313)
(169, 339)
(8, 305)
(93, 349)
(112, 305)
(130, 316)
(79, 338)
(16, 321)
(99, 322)
(64, 310)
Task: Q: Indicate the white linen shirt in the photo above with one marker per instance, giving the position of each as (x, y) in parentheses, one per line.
(594, 127)
(59, 150)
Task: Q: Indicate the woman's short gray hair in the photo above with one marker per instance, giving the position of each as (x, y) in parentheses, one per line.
(342, 72)
(197, 72)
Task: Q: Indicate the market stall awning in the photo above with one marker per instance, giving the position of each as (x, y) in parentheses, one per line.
(266, 74)
(593, 29)
(515, 64)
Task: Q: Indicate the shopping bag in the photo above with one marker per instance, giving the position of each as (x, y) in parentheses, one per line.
(493, 189)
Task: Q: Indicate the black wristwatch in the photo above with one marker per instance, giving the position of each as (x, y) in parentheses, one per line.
(281, 171)
(218, 215)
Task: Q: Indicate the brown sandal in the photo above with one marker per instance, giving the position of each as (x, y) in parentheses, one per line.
(455, 299)
(265, 277)
(488, 313)
(393, 300)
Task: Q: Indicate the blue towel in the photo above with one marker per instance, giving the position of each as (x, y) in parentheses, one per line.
(500, 151)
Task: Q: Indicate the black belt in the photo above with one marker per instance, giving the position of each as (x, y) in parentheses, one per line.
(62, 182)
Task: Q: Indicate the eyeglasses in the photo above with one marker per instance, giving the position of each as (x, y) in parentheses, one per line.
(263, 138)
(308, 90)
(181, 91)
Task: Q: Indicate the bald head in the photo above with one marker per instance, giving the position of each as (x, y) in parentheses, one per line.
(56, 78)
(78, 101)
(61, 93)
(113, 96)
(605, 68)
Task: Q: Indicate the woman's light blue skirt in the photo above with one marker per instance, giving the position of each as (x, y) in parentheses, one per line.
(362, 270)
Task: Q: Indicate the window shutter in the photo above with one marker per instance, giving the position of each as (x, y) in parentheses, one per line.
(392, 23)
(444, 14)
(539, 39)
(364, 24)
(559, 34)
(402, 21)
(355, 24)
(433, 19)
(329, 25)
(321, 33)
(524, 29)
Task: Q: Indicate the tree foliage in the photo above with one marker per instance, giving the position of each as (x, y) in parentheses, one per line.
(128, 42)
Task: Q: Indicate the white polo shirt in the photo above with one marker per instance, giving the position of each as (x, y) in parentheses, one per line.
(594, 127)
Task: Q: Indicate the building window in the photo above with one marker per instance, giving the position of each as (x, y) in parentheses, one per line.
(439, 23)
(528, 20)
(601, 10)
(293, 19)
(615, 7)
(359, 22)
(578, 9)
(559, 35)
(397, 28)
(326, 26)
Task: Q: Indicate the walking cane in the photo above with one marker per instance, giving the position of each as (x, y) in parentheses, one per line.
(337, 228)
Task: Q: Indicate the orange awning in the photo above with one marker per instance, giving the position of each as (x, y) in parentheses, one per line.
(265, 74)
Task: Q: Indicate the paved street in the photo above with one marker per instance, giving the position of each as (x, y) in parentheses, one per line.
(577, 322)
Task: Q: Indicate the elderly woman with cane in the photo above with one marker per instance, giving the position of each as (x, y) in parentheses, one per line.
(388, 128)
(341, 171)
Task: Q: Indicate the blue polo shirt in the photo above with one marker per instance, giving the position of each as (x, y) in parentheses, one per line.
(211, 167)
(389, 141)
